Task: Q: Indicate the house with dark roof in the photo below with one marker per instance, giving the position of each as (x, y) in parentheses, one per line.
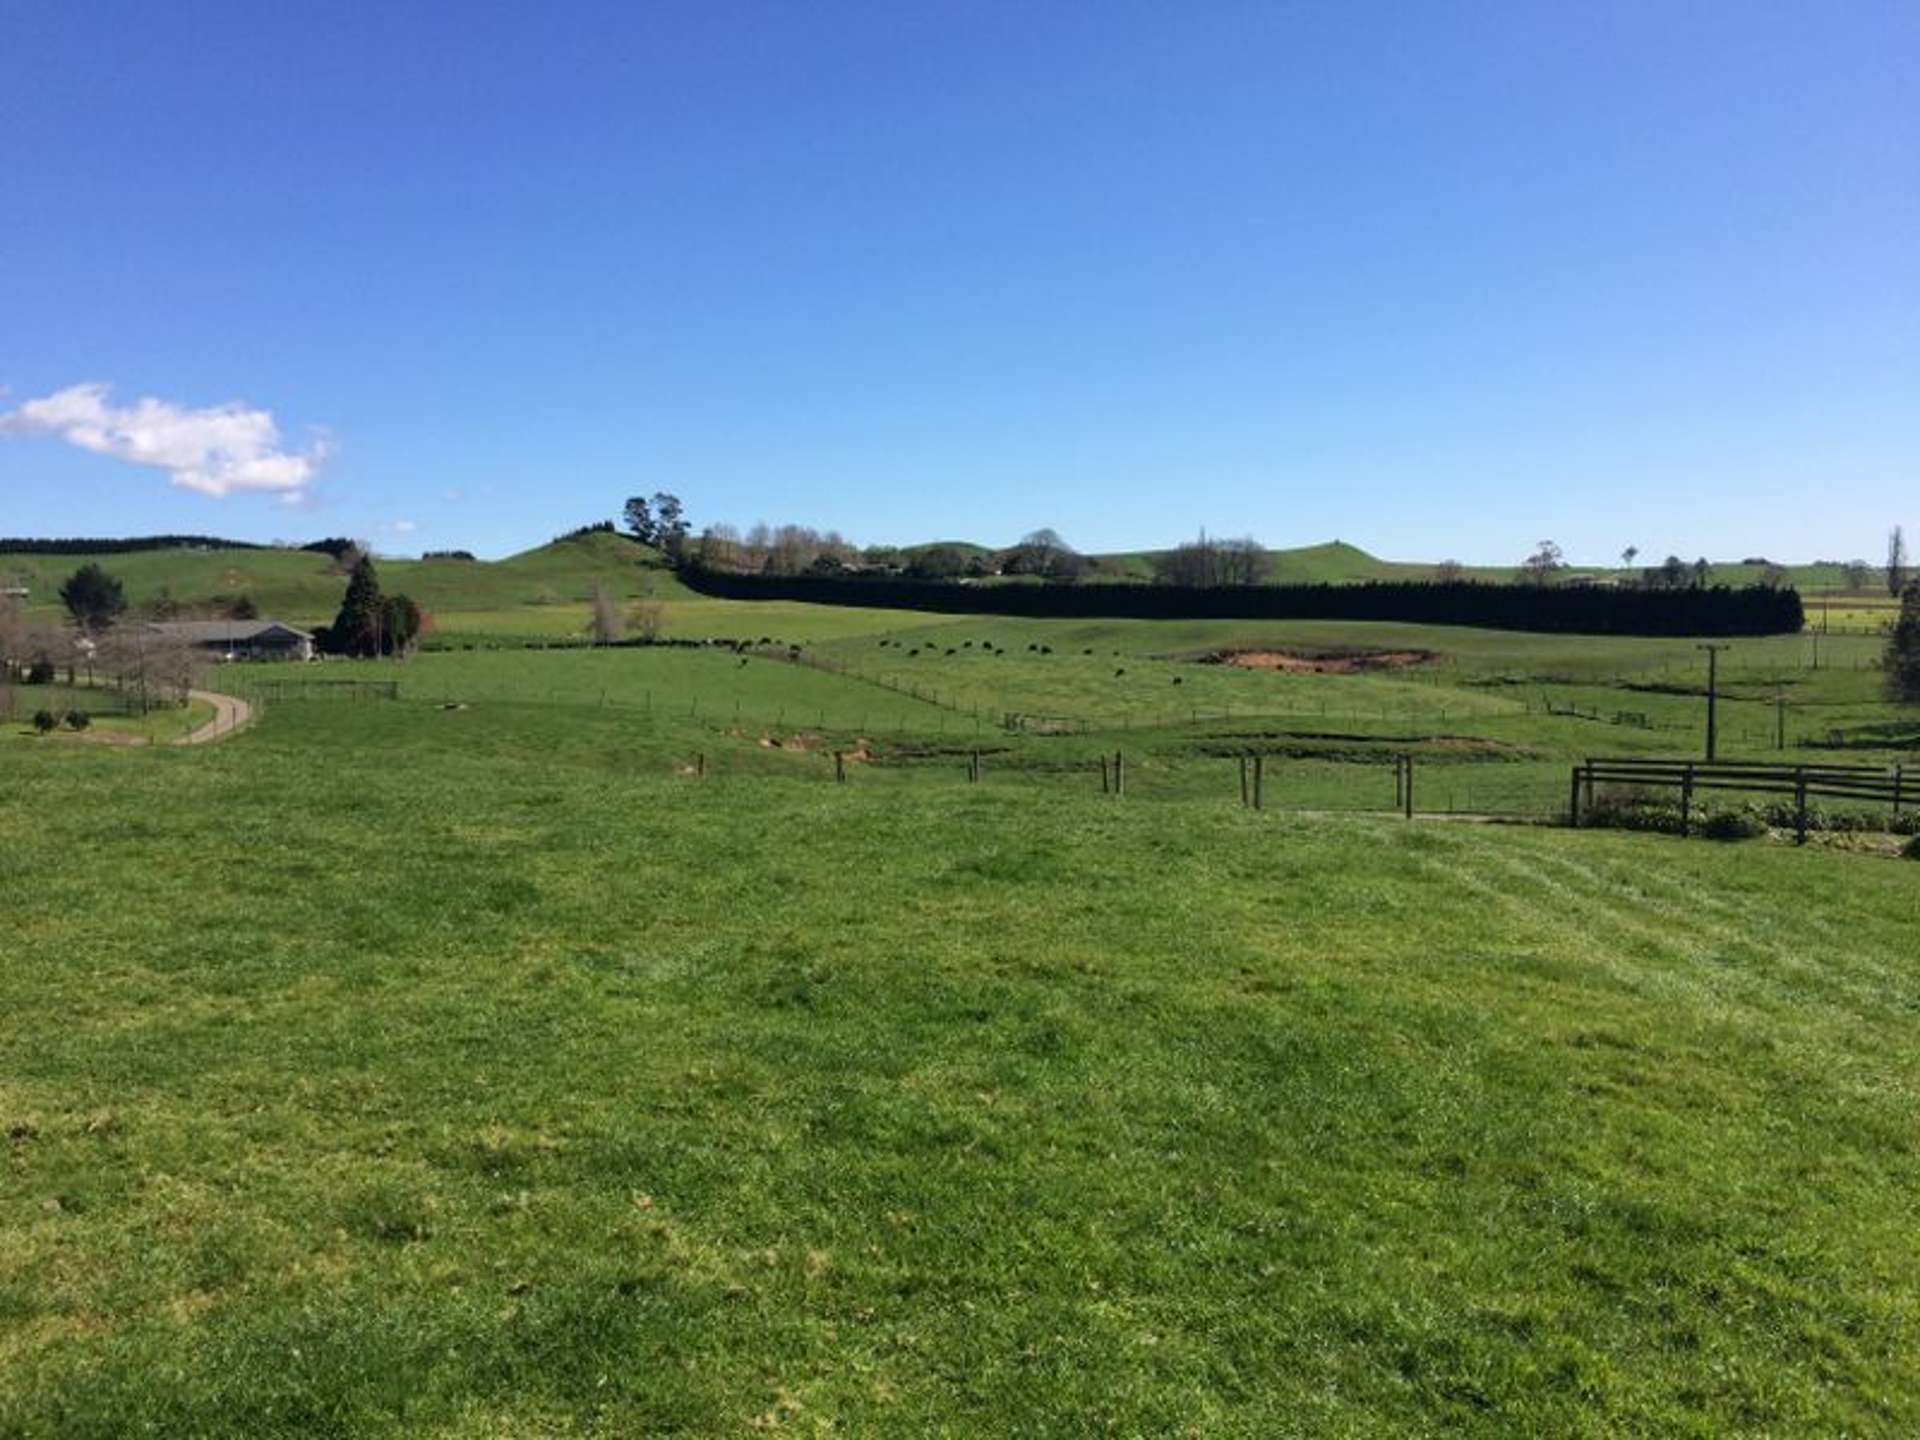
(240, 639)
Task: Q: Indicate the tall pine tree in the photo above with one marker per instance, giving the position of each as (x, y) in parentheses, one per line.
(1903, 650)
(356, 630)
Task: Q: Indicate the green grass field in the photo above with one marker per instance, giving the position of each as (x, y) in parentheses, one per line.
(559, 1050)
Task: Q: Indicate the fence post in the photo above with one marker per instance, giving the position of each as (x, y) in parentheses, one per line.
(1686, 801)
(1573, 800)
(1899, 775)
(1243, 782)
(1119, 773)
(839, 767)
(1800, 805)
(1259, 782)
(1409, 787)
(1106, 788)
(700, 763)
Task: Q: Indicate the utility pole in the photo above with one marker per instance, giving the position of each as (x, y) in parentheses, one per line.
(1713, 689)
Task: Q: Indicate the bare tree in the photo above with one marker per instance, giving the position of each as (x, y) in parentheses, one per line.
(753, 550)
(1543, 565)
(1896, 561)
(1209, 561)
(1857, 573)
(719, 547)
(648, 618)
(13, 635)
(1449, 572)
(605, 623)
(149, 666)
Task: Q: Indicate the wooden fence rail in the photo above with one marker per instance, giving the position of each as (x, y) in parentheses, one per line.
(1875, 784)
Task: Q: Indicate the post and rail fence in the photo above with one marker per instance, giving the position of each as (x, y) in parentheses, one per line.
(1884, 784)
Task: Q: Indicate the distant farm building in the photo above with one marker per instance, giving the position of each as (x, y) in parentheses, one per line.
(13, 592)
(240, 639)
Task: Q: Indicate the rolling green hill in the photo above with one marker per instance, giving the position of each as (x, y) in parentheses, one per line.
(305, 588)
(544, 591)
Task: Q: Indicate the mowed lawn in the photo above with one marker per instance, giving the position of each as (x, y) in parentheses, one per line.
(362, 1081)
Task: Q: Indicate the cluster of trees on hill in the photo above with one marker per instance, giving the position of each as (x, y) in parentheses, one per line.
(1209, 562)
(1754, 610)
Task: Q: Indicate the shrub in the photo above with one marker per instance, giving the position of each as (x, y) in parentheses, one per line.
(44, 721)
(1781, 815)
(1912, 848)
(1740, 823)
(78, 720)
(1632, 808)
(40, 672)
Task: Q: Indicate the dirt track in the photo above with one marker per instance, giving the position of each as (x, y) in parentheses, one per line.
(230, 715)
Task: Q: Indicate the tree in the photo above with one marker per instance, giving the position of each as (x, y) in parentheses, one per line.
(243, 609)
(640, 522)
(1702, 573)
(1773, 576)
(669, 525)
(1042, 552)
(93, 597)
(1902, 664)
(151, 668)
(356, 630)
(1543, 564)
(1896, 561)
(13, 635)
(719, 548)
(348, 554)
(1671, 573)
(605, 623)
(1449, 572)
(400, 624)
(1628, 556)
(1207, 562)
(648, 619)
(938, 562)
(1858, 574)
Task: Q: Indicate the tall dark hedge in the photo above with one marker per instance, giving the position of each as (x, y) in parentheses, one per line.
(79, 546)
(1573, 609)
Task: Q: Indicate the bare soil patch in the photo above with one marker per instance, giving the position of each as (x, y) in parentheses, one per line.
(1326, 662)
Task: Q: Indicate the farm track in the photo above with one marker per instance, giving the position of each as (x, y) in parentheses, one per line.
(230, 715)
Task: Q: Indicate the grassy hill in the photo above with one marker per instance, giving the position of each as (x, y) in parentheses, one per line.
(543, 592)
(305, 588)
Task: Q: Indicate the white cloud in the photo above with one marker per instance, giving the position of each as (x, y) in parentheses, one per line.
(216, 451)
(403, 527)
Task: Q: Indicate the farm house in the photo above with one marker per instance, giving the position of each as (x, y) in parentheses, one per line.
(240, 639)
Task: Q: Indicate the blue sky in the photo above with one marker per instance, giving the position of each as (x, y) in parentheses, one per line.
(1440, 280)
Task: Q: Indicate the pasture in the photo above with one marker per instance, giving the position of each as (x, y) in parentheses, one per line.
(558, 1049)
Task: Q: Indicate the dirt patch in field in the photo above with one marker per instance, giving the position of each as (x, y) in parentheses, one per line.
(792, 742)
(1326, 662)
(1343, 745)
